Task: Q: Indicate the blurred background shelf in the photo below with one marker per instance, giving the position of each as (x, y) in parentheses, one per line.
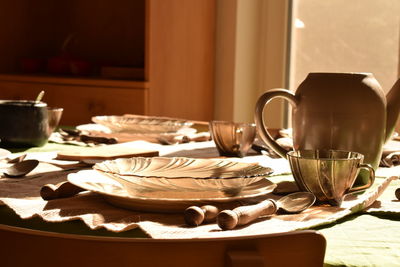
(151, 57)
(81, 98)
(89, 81)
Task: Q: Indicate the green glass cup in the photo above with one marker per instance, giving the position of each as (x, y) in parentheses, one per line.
(328, 174)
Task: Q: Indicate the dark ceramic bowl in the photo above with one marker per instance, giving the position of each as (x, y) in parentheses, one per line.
(23, 123)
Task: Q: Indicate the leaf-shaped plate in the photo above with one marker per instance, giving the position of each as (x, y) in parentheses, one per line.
(130, 123)
(182, 174)
(172, 201)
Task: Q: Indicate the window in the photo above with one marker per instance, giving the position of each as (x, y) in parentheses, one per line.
(265, 44)
(345, 36)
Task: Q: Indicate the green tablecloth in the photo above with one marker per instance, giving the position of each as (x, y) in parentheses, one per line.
(363, 240)
(357, 240)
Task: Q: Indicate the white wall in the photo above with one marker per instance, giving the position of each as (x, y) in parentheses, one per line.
(251, 57)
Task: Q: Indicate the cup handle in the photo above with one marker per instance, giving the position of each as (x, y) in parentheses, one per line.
(371, 178)
(259, 116)
(237, 138)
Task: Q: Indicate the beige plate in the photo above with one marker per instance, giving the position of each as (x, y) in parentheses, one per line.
(130, 123)
(115, 194)
(181, 174)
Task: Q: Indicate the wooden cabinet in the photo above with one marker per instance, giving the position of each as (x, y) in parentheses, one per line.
(160, 52)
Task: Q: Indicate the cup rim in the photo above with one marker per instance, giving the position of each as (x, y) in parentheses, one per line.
(23, 103)
(55, 108)
(252, 124)
(298, 154)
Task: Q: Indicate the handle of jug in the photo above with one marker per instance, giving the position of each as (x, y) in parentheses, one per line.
(259, 116)
(370, 180)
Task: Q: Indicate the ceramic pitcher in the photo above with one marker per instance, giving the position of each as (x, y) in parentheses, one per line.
(341, 111)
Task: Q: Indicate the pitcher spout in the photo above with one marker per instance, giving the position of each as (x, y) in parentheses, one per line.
(392, 109)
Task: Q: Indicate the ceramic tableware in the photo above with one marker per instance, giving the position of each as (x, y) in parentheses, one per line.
(179, 175)
(328, 174)
(25, 123)
(15, 159)
(117, 195)
(130, 123)
(21, 168)
(61, 190)
(54, 116)
(232, 139)
(342, 111)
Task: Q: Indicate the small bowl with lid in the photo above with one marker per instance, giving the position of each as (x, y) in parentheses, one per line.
(24, 123)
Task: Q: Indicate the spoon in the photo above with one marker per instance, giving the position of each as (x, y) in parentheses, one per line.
(292, 203)
(15, 159)
(61, 190)
(39, 97)
(21, 169)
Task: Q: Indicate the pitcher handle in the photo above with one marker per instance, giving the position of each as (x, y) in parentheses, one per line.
(259, 116)
(371, 178)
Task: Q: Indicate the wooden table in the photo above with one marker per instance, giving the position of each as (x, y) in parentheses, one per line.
(357, 240)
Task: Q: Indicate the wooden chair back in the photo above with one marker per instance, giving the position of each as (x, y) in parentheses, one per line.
(26, 247)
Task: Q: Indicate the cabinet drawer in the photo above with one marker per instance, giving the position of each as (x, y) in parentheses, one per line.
(80, 103)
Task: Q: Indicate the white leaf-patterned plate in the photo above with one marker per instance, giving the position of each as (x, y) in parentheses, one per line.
(130, 123)
(163, 201)
(182, 174)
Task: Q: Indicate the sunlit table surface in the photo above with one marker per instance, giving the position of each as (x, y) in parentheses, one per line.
(357, 240)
